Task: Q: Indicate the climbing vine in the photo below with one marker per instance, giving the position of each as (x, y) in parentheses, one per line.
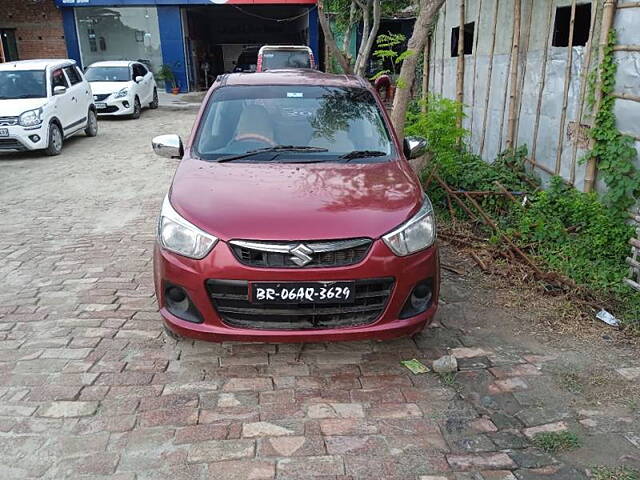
(615, 152)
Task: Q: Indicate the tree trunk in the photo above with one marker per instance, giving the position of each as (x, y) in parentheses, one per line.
(428, 10)
(346, 41)
(330, 39)
(367, 46)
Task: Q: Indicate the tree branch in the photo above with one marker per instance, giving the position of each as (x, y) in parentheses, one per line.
(330, 39)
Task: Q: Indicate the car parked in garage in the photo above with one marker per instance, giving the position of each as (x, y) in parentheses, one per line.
(295, 216)
(274, 57)
(122, 87)
(42, 102)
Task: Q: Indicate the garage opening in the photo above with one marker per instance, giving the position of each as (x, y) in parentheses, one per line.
(226, 38)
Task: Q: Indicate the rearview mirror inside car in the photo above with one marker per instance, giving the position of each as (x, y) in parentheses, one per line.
(168, 146)
(414, 147)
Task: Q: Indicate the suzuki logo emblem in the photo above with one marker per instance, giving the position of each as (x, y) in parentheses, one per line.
(301, 255)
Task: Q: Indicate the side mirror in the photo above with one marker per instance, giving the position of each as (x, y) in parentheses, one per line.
(414, 147)
(139, 79)
(169, 146)
(59, 90)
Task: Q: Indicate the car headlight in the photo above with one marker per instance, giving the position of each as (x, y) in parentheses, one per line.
(121, 93)
(31, 118)
(181, 237)
(417, 233)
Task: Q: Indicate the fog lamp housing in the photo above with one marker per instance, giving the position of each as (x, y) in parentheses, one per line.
(179, 304)
(419, 300)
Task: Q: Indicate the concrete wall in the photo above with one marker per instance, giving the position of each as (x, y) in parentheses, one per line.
(540, 82)
(38, 25)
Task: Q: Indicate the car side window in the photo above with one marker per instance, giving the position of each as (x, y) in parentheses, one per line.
(72, 75)
(138, 71)
(58, 79)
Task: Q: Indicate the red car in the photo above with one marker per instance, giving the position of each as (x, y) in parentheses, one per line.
(294, 216)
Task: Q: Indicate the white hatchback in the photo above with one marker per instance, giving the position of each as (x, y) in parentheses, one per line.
(42, 102)
(122, 87)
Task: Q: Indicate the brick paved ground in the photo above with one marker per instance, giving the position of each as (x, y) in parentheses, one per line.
(91, 388)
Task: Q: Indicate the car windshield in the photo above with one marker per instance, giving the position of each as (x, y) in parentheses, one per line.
(108, 74)
(22, 84)
(273, 59)
(305, 123)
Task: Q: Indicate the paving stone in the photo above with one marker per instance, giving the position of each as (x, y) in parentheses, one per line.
(508, 439)
(472, 444)
(531, 458)
(539, 416)
(68, 409)
(248, 384)
(242, 469)
(464, 352)
(549, 427)
(305, 467)
(266, 429)
(291, 446)
(218, 450)
(481, 461)
(335, 410)
(395, 410)
(498, 475)
(630, 373)
(200, 433)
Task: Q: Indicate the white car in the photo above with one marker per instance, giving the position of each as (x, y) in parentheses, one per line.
(42, 102)
(122, 87)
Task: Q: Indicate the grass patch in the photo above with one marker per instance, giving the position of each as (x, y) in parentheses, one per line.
(449, 379)
(553, 442)
(615, 473)
(562, 229)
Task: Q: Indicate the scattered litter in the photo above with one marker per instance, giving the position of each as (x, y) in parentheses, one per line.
(446, 364)
(607, 318)
(416, 366)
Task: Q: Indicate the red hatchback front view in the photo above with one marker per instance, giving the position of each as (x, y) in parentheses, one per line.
(294, 216)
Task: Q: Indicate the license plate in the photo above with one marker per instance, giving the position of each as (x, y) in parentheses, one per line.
(303, 292)
(101, 106)
(4, 132)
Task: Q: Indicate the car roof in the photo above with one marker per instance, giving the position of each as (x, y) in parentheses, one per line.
(113, 63)
(286, 47)
(40, 64)
(293, 76)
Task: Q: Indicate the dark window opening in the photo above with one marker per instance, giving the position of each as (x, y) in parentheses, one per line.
(469, 30)
(581, 26)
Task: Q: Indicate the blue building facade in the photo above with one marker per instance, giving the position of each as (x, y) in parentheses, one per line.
(197, 39)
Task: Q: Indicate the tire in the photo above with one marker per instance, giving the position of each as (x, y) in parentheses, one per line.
(92, 124)
(137, 108)
(56, 139)
(154, 103)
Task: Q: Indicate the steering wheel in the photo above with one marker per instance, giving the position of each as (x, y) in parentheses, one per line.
(254, 137)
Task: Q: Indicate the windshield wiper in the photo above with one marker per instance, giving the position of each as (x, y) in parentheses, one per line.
(275, 148)
(362, 154)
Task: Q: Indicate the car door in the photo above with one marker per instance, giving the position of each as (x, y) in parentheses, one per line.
(78, 98)
(143, 87)
(64, 105)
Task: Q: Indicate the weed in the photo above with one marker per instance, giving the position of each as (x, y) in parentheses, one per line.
(615, 473)
(449, 379)
(553, 442)
(572, 382)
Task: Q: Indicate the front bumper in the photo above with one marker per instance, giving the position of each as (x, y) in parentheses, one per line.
(111, 106)
(221, 264)
(22, 139)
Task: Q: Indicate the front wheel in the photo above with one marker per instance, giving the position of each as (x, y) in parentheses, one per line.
(55, 140)
(154, 103)
(137, 108)
(92, 124)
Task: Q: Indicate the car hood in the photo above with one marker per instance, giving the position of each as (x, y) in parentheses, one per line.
(295, 201)
(100, 88)
(15, 107)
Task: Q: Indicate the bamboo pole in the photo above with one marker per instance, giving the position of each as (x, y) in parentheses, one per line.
(567, 84)
(513, 95)
(543, 79)
(489, 74)
(626, 48)
(608, 16)
(475, 62)
(425, 73)
(583, 87)
(525, 53)
(460, 67)
(444, 42)
(626, 96)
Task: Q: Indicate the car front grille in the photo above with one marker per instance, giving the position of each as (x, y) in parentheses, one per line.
(338, 253)
(11, 144)
(231, 300)
(100, 97)
(8, 121)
